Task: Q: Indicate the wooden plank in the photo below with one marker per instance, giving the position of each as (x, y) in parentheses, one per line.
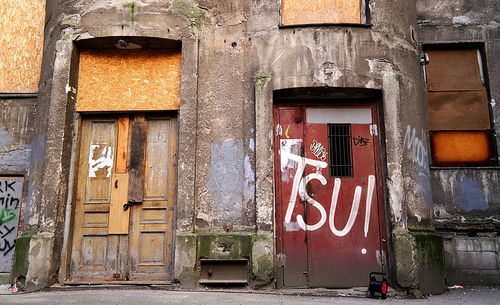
(320, 11)
(129, 80)
(21, 45)
(453, 70)
(458, 110)
(136, 166)
(122, 149)
(118, 217)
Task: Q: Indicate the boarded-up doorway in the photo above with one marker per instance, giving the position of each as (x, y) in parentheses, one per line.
(124, 205)
(329, 211)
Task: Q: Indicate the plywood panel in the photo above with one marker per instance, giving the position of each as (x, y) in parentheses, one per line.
(21, 44)
(461, 147)
(320, 11)
(124, 80)
(119, 218)
(453, 70)
(458, 110)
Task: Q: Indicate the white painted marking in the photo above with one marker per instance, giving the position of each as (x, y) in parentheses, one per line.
(285, 156)
(339, 115)
(291, 226)
(304, 196)
(318, 150)
(98, 162)
(369, 197)
(354, 209)
(363, 251)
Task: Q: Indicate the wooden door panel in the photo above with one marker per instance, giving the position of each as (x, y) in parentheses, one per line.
(94, 252)
(152, 221)
(110, 243)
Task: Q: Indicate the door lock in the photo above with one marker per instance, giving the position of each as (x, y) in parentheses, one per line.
(129, 204)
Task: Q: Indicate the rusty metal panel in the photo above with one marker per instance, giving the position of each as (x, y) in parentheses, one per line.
(137, 164)
(343, 248)
(292, 247)
(336, 218)
(453, 70)
(461, 148)
(21, 45)
(320, 11)
(10, 206)
(126, 80)
(465, 110)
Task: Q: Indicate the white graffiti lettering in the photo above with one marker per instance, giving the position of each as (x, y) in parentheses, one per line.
(299, 188)
(318, 150)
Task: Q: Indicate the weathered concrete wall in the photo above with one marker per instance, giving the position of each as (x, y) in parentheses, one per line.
(467, 200)
(472, 260)
(16, 134)
(234, 56)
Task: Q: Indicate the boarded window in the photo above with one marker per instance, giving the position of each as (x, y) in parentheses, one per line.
(459, 117)
(21, 44)
(129, 80)
(296, 12)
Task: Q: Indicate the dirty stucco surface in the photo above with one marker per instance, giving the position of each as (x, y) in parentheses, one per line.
(466, 191)
(16, 133)
(234, 56)
(467, 200)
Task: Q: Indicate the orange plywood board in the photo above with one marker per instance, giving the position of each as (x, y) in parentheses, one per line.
(320, 11)
(21, 45)
(460, 147)
(129, 80)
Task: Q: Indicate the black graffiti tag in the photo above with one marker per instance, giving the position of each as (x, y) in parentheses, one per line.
(360, 141)
(7, 247)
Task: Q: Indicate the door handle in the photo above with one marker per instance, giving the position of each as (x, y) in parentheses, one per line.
(129, 204)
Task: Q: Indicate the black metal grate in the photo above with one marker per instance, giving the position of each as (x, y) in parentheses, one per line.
(339, 136)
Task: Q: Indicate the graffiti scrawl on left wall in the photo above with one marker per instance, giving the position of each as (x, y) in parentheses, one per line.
(10, 205)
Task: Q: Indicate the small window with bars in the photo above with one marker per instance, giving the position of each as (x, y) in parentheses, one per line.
(339, 136)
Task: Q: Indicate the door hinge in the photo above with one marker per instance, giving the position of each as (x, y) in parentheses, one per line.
(373, 130)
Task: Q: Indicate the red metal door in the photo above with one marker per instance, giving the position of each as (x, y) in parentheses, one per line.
(329, 208)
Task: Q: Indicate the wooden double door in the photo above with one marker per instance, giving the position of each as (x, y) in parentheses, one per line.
(329, 205)
(124, 204)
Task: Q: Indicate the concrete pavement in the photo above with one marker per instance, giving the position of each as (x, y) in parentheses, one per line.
(480, 295)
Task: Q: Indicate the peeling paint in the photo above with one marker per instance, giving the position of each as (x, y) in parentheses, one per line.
(100, 158)
(470, 196)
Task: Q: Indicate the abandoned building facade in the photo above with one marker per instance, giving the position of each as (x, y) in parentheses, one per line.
(277, 144)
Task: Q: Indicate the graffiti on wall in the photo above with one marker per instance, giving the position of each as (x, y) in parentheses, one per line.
(287, 149)
(416, 151)
(10, 205)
